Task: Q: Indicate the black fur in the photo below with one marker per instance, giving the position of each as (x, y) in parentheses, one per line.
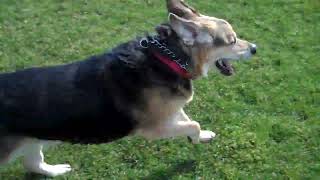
(83, 102)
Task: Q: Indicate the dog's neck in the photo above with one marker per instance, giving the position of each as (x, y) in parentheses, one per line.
(168, 52)
(135, 55)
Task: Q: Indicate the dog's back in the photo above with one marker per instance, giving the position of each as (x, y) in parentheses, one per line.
(69, 103)
(24, 97)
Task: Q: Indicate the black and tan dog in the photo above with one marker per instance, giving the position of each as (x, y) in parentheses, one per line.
(138, 88)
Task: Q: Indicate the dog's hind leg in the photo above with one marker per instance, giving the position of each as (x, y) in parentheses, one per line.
(34, 161)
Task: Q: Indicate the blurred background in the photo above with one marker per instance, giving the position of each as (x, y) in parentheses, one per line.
(266, 116)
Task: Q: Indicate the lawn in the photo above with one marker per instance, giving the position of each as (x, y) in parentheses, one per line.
(267, 116)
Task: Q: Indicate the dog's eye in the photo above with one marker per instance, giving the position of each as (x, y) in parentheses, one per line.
(218, 41)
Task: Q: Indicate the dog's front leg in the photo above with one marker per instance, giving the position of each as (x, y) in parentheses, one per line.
(204, 135)
(177, 126)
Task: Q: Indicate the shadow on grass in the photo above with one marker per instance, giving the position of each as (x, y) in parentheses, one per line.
(161, 174)
(176, 169)
(32, 176)
(25, 176)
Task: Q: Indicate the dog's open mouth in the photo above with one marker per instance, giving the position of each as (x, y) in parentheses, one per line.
(225, 67)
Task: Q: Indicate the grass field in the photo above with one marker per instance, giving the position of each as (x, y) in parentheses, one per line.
(267, 116)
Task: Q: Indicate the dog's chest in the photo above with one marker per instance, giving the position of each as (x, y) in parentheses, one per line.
(161, 103)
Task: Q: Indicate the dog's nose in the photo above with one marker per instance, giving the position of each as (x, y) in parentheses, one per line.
(253, 48)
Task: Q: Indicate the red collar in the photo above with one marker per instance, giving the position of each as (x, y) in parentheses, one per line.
(174, 66)
(158, 48)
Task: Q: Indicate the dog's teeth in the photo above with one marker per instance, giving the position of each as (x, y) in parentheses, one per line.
(220, 62)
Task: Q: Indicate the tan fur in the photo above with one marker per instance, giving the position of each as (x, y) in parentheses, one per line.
(159, 105)
(201, 56)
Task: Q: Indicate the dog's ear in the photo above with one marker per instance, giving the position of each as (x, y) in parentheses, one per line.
(180, 8)
(164, 30)
(187, 30)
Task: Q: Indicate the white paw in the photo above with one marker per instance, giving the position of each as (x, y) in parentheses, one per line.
(52, 170)
(206, 136)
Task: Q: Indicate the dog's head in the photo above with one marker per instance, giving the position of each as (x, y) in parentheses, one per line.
(208, 40)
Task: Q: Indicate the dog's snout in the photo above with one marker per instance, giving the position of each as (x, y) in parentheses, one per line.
(253, 48)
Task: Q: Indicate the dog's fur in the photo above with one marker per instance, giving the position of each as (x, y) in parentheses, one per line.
(116, 94)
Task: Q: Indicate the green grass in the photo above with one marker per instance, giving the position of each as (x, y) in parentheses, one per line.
(267, 116)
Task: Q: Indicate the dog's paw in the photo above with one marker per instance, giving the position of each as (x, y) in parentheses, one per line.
(56, 170)
(206, 136)
(51, 170)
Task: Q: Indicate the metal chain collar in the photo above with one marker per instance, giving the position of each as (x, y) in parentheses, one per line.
(145, 42)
